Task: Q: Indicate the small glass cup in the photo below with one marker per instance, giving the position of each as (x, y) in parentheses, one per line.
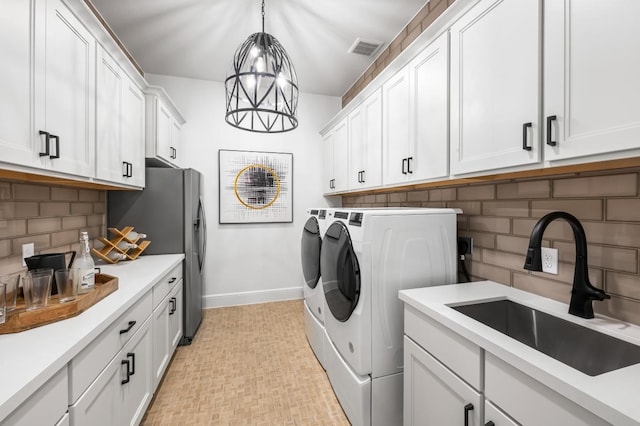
(12, 282)
(36, 285)
(3, 306)
(65, 282)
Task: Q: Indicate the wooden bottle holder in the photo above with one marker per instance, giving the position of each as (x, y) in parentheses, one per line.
(112, 245)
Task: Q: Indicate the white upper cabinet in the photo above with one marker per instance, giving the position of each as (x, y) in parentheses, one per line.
(119, 124)
(64, 81)
(429, 112)
(591, 83)
(133, 133)
(163, 129)
(16, 49)
(335, 152)
(415, 113)
(365, 144)
(495, 86)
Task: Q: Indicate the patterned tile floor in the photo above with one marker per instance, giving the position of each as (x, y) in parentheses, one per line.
(248, 365)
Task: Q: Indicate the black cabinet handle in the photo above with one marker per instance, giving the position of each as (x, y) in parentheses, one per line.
(125, 167)
(128, 329)
(57, 147)
(550, 120)
(362, 181)
(125, 362)
(133, 362)
(129, 169)
(409, 165)
(173, 303)
(46, 143)
(332, 184)
(467, 408)
(490, 423)
(404, 166)
(172, 280)
(525, 126)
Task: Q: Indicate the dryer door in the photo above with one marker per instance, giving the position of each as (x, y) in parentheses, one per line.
(340, 272)
(310, 252)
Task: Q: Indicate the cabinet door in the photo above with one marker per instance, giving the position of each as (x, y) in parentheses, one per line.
(163, 131)
(133, 132)
(100, 404)
(591, 77)
(136, 395)
(176, 141)
(327, 163)
(433, 395)
(429, 112)
(340, 153)
(161, 343)
(175, 318)
(395, 128)
(110, 81)
(16, 73)
(495, 86)
(68, 70)
(365, 144)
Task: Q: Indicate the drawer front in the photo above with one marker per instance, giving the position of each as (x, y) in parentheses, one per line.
(86, 366)
(164, 286)
(530, 402)
(456, 352)
(46, 406)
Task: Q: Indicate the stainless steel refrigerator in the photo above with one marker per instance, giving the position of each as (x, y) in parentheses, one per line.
(170, 211)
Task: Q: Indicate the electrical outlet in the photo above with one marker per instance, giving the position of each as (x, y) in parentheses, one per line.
(467, 243)
(27, 251)
(550, 260)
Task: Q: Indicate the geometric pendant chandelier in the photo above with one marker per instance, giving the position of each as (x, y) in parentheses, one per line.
(262, 86)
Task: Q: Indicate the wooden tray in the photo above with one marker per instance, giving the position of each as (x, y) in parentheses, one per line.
(21, 319)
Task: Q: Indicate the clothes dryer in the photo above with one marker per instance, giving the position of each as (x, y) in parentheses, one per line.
(367, 256)
(314, 305)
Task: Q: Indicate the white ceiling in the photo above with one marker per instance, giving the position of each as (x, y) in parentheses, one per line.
(197, 38)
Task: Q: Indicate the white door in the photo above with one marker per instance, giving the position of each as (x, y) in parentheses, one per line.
(429, 114)
(495, 86)
(327, 163)
(357, 148)
(340, 154)
(136, 395)
(164, 120)
(17, 136)
(592, 89)
(133, 132)
(109, 114)
(67, 70)
(161, 355)
(395, 128)
(176, 141)
(433, 395)
(175, 317)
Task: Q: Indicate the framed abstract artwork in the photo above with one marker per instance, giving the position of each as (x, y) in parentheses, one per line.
(255, 187)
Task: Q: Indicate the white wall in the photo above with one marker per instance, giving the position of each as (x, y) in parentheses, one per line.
(250, 263)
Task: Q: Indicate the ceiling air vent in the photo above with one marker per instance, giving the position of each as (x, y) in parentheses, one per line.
(365, 47)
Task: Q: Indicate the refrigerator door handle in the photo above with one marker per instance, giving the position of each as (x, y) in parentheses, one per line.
(202, 229)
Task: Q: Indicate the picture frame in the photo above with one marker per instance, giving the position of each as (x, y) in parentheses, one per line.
(255, 187)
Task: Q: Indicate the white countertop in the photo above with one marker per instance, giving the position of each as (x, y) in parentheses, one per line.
(614, 396)
(29, 358)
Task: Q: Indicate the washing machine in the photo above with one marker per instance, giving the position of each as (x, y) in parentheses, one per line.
(314, 305)
(367, 256)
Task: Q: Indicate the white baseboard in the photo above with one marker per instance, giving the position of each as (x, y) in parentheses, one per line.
(251, 297)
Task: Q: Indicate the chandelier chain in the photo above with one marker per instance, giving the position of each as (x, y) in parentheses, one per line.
(262, 15)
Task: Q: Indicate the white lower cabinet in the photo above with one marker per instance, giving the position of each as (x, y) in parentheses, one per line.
(447, 381)
(434, 395)
(175, 316)
(167, 321)
(123, 391)
(47, 406)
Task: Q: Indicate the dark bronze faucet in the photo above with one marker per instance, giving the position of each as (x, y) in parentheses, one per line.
(583, 292)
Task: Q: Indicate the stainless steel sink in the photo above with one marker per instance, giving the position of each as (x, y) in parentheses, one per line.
(579, 347)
